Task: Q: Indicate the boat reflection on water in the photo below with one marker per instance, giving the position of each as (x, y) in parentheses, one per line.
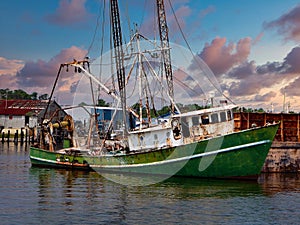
(89, 198)
(68, 181)
(272, 183)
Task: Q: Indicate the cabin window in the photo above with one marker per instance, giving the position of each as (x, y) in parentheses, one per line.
(195, 120)
(205, 119)
(223, 116)
(214, 118)
(229, 115)
(185, 127)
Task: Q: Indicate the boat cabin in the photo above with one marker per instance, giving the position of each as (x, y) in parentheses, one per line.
(206, 123)
(184, 128)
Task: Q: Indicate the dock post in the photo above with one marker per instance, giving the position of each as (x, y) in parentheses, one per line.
(32, 137)
(8, 136)
(16, 137)
(22, 136)
(26, 135)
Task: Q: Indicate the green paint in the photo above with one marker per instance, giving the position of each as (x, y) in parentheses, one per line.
(246, 161)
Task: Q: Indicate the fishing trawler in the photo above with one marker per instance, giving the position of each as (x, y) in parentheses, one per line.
(200, 142)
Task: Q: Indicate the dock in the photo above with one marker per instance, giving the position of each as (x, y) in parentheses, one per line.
(284, 154)
(22, 135)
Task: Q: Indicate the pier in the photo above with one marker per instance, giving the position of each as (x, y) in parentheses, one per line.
(16, 136)
(284, 154)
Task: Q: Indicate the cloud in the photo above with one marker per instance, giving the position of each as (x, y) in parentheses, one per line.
(181, 14)
(8, 81)
(271, 67)
(243, 71)
(289, 65)
(208, 10)
(69, 12)
(292, 60)
(266, 97)
(221, 57)
(8, 70)
(258, 38)
(247, 81)
(8, 66)
(40, 75)
(292, 89)
(287, 25)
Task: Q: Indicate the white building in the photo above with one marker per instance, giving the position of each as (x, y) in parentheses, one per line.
(27, 113)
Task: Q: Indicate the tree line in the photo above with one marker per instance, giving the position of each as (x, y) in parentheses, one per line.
(20, 94)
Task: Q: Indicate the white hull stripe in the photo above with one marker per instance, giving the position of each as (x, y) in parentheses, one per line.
(44, 160)
(182, 158)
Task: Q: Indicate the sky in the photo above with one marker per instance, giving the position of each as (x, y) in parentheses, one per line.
(252, 47)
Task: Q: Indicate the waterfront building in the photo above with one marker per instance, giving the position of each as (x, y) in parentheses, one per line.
(27, 113)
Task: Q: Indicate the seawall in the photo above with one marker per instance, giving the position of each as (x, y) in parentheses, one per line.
(284, 155)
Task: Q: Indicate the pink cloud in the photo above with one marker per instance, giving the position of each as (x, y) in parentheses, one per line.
(258, 38)
(8, 66)
(221, 57)
(292, 89)
(181, 13)
(8, 81)
(69, 12)
(208, 10)
(292, 60)
(39, 76)
(287, 25)
(249, 79)
(151, 24)
(266, 97)
(8, 70)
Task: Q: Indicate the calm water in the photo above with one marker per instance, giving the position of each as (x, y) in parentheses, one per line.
(50, 196)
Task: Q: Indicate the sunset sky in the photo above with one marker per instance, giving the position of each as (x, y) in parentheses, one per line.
(252, 47)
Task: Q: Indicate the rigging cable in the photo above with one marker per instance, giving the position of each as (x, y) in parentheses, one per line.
(143, 14)
(190, 49)
(95, 32)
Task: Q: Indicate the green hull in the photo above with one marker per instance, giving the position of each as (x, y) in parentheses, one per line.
(240, 154)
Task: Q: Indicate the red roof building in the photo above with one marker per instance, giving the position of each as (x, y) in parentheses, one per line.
(22, 113)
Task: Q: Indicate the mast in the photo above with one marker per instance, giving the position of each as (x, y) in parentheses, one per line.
(164, 38)
(119, 60)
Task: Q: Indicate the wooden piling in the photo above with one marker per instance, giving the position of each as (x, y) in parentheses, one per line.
(22, 137)
(26, 135)
(8, 136)
(16, 137)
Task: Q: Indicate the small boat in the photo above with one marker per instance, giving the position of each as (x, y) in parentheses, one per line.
(197, 143)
